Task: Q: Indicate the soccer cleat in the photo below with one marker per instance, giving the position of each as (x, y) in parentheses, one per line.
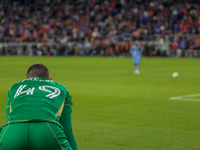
(137, 72)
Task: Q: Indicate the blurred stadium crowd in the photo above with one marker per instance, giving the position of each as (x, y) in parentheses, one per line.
(100, 27)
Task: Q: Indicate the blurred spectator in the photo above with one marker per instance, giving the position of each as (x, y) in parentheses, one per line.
(64, 21)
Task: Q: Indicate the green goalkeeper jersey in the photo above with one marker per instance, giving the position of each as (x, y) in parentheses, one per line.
(40, 99)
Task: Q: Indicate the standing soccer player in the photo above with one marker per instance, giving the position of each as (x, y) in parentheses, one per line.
(136, 52)
(38, 112)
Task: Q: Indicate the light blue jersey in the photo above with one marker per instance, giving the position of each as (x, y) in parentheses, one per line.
(136, 51)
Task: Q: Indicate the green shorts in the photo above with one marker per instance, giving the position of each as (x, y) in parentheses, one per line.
(33, 136)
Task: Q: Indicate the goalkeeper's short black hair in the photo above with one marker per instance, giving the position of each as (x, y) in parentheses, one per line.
(38, 70)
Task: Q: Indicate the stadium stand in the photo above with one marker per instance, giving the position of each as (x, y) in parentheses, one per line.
(96, 27)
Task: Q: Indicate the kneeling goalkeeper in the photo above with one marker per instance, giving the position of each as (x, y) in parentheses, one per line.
(38, 112)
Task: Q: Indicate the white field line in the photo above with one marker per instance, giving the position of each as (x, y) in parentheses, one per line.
(186, 97)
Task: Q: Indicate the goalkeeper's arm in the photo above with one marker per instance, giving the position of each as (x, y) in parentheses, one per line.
(66, 122)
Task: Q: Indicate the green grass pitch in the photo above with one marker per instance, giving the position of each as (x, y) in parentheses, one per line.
(114, 109)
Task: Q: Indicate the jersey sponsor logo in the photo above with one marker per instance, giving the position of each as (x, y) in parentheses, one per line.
(53, 91)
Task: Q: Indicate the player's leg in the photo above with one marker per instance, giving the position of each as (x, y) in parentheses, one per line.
(46, 135)
(137, 65)
(13, 137)
(134, 63)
